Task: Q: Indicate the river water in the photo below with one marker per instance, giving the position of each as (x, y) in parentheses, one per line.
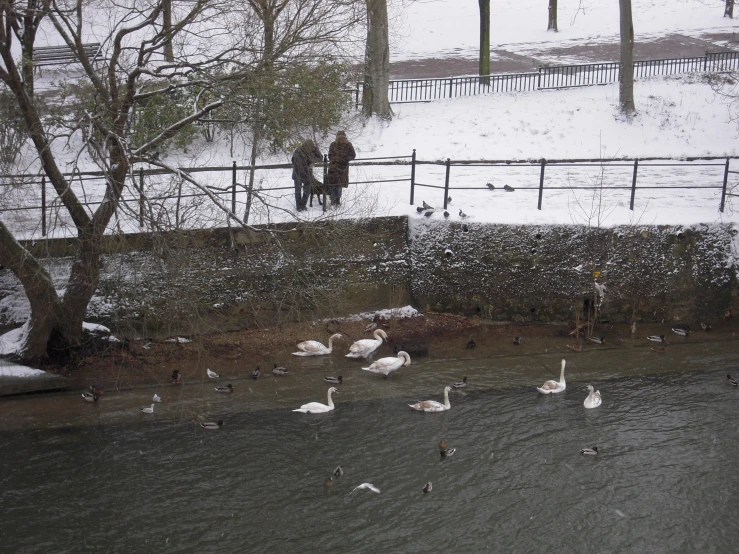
(107, 478)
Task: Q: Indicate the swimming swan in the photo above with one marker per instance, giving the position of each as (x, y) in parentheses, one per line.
(553, 387)
(433, 405)
(593, 400)
(387, 365)
(317, 407)
(364, 347)
(315, 348)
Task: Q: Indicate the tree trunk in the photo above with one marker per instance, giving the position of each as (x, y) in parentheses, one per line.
(167, 28)
(552, 25)
(484, 68)
(729, 9)
(377, 62)
(626, 76)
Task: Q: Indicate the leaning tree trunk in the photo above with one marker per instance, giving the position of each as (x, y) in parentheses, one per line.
(377, 62)
(552, 25)
(626, 76)
(484, 68)
(729, 9)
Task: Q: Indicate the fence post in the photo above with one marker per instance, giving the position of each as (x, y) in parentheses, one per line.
(541, 182)
(633, 185)
(450, 87)
(43, 205)
(413, 173)
(142, 206)
(705, 61)
(356, 95)
(538, 77)
(233, 188)
(325, 172)
(723, 189)
(446, 181)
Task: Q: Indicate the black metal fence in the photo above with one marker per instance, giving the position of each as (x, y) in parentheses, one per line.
(550, 77)
(142, 197)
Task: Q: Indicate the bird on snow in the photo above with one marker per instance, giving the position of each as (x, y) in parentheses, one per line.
(427, 487)
(680, 331)
(428, 213)
(420, 209)
(509, 188)
(156, 398)
(446, 213)
(279, 370)
(589, 451)
(427, 207)
(368, 486)
(228, 389)
(448, 199)
(149, 410)
(336, 380)
(89, 397)
(491, 186)
(463, 215)
(212, 374)
(731, 381)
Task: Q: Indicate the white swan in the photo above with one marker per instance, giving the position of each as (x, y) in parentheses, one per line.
(317, 407)
(593, 400)
(315, 348)
(365, 347)
(387, 365)
(553, 387)
(433, 405)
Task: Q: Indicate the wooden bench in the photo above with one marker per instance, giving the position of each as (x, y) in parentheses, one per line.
(60, 55)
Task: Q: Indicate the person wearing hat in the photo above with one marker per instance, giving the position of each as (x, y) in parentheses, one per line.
(340, 153)
(303, 159)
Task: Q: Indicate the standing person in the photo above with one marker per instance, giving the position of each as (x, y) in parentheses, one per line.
(303, 159)
(340, 153)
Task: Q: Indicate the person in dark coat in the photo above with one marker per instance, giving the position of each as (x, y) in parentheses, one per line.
(340, 153)
(303, 159)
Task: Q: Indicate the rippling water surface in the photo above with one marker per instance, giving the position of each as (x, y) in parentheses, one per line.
(665, 480)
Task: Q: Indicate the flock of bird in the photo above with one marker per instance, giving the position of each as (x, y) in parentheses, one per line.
(428, 210)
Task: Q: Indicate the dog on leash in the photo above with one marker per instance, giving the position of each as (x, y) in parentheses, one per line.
(317, 188)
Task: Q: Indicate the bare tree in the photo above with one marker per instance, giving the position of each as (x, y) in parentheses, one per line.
(102, 124)
(552, 24)
(484, 68)
(626, 76)
(375, 99)
(729, 9)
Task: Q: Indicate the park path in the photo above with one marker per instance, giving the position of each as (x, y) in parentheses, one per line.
(526, 57)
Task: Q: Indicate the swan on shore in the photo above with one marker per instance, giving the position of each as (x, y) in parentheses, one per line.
(593, 400)
(317, 407)
(364, 347)
(554, 387)
(433, 405)
(386, 366)
(315, 348)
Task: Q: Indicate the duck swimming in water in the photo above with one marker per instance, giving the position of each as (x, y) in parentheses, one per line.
(279, 370)
(89, 397)
(226, 390)
(460, 384)
(338, 380)
(731, 381)
(589, 451)
(657, 338)
(212, 425)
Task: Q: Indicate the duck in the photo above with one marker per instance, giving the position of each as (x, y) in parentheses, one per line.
(338, 472)
(460, 384)
(706, 327)
(554, 387)
(386, 366)
(589, 451)
(680, 331)
(226, 390)
(212, 374)
(95, 389)
(156, 398)
(338, 380)
(89, 397)
(149, 410)
(279, 370)
(368, 486)
(329, 482)
(176, 377)
(575, 347)
(317, 407)
(256, 373)
(442, 444)
(315, 348)
(427, 487)
(593, 400)
(433, 405)
(518, 341)
(731, 381)
(470, 344)
(364, 347)
(446, 452)
(657, 338)
(212, 424)
(598, 340)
